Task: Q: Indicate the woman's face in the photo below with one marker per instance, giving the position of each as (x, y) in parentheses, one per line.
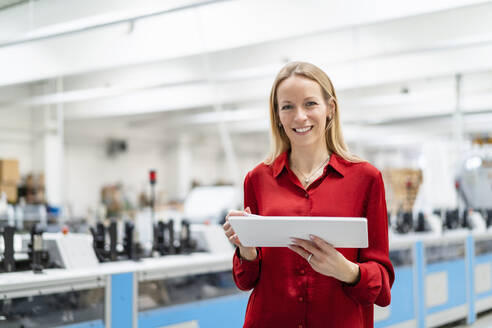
(303, 111)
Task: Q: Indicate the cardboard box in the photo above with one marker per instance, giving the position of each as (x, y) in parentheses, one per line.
(10, 189)
(403, 185)
(41, 180)
(9, 171)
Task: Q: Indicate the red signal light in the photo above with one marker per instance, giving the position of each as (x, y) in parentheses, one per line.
(152, 176)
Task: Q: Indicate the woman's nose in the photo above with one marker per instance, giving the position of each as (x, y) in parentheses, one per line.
(300, 114)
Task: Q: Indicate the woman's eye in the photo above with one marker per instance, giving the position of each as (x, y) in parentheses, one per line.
(286, 107)
(311, 103)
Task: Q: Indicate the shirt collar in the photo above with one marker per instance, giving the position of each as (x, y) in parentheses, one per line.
(338, 164)
(279, 163)
(282, 161)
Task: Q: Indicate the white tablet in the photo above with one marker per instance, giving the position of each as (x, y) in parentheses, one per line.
(276, 231)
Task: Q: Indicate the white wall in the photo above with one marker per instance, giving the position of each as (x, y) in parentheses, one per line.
(88, 168)
(16, 137)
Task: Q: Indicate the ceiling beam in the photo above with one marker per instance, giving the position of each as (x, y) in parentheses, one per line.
(206, 29)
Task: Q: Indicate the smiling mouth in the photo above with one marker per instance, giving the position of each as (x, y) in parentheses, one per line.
(302, 130)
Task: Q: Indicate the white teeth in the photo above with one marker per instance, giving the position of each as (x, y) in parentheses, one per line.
(303, 129)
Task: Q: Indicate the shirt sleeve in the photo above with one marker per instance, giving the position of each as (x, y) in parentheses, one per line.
(246, 273)
(376, 271)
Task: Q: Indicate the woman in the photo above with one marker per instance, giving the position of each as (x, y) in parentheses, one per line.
(311, 173)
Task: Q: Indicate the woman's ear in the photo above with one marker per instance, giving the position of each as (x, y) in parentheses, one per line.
(331, 108)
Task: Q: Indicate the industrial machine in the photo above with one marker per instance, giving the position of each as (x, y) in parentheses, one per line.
(474, 179)
(474, 186)
(23, 217)
(210, 203)
(404, 186)
(78, 268)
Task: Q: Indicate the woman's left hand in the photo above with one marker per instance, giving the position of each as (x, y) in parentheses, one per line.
(325, 259)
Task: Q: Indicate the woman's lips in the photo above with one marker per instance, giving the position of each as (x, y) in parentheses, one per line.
(303, 130)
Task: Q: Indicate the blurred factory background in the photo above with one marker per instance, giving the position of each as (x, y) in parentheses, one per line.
(126, 129)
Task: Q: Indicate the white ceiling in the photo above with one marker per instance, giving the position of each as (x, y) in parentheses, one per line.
(4, 4)
(151, 66)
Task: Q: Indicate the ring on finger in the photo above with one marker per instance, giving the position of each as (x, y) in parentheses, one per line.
(309, 258)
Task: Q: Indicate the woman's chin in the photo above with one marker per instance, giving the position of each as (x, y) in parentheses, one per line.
(305, 141)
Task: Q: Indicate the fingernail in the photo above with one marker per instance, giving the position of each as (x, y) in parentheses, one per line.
(311, 237)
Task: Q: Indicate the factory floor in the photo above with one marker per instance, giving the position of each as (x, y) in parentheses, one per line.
(484, 320)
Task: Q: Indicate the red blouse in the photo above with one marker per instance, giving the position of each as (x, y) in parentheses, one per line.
(287, 292)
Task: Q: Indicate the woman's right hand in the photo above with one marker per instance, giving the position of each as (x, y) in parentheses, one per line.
(248, 253)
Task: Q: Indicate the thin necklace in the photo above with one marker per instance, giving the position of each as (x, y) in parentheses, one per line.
(307, 179)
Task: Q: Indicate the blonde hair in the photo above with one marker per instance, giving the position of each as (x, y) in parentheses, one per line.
(279, 142)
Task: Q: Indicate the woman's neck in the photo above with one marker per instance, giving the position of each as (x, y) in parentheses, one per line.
(308, 159)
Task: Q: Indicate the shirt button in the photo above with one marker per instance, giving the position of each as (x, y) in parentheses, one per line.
(306, 195)
(302, 272)
(301, 299)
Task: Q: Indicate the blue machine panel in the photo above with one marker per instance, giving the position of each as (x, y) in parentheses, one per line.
(223, 312)
(480, 259)
(122, 300)
(456, 271)
(402, 298)
(470, 263)
(408, 292)
(419, 282)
